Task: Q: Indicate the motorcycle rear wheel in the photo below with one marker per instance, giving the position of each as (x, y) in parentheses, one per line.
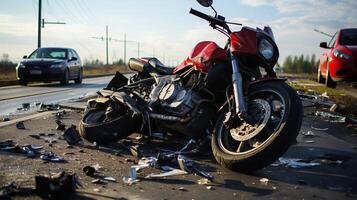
(94, 128)
(277, 131)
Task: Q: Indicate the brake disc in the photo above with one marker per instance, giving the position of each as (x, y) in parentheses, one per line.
(260, 111)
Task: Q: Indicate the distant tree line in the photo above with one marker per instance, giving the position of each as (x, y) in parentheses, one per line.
(6, 63)
(300, 64)
(98, 63)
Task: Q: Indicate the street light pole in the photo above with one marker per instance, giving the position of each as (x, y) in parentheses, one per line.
(39, 24)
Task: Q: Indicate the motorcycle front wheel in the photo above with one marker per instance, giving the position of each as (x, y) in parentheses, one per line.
(276, 115)
(95, 127)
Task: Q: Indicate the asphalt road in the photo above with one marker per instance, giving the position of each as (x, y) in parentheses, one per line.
(12, 97)
(332, 147)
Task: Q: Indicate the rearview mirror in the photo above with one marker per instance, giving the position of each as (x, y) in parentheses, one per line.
(205, 3)
(324, 45)
(24, 57)
(73, 59)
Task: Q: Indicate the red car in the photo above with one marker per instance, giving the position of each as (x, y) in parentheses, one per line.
(339, 61)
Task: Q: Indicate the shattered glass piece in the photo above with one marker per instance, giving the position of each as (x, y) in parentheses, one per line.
(209, 188)
(294, 163)
(173, 172)
(98, 181)
(50, 156)
(333, 118)
(109, 178)
(264, 180)
(319, 129)
(129, 180)
(308, 133)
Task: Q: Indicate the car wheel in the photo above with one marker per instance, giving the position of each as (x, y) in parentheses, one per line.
(22, 82)
(65, 79)
(320, 78)
(329, 82)
(80, 77)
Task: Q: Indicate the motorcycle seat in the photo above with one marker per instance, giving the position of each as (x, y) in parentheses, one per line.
(159, 67)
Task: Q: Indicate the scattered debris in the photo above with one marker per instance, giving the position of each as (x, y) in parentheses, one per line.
(333, 118)
(333, 107)
(182, 189)
(294, 163)
(29, 150)
(89, 170)
(98, 181)
(57, 186)
(173, 172)
(71, 135)
(309, 141)
(12, 188)
(109, 178)
(50, 156)
(96, 190)
(203, 181)
(136, 151)
(264, 180)
(20, 125)
(26, 106)
(48, 107)
(209, 188)
(5, 119)
(308, 133)
(319, 129)
(60, 126)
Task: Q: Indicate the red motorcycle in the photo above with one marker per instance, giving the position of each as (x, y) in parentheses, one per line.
(219, 94)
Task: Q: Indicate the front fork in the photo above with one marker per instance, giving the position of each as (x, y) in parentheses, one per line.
(241, 108)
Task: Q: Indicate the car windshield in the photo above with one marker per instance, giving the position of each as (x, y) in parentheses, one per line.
(348, 37)
(53, 53)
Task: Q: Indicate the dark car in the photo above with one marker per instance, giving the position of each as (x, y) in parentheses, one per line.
(339, 61)
(50, 64)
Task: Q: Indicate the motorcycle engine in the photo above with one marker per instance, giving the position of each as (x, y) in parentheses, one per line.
(176, 100)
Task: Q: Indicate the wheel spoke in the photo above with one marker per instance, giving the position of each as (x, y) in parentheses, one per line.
(240, 146)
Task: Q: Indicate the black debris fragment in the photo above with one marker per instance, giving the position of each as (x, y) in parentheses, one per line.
(89, 170)
(29, 150)
(20, 125)
(71, 135)
(50, 156)
(11, 189)
(58, 186)
(60, 125)
(49, 107)
(26, 106)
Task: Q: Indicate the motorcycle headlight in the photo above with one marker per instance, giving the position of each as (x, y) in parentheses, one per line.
(266, 49)
(57, 65)
(340, 54)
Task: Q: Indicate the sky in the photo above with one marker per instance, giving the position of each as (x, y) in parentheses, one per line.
(165, 28)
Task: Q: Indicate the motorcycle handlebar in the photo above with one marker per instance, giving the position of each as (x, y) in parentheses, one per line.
(212, 20)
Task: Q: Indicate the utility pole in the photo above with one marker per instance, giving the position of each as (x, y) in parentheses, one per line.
(125, 41)
(125, 48)
(39, 24)
(106, 43)
(106, 39)
(138, 49)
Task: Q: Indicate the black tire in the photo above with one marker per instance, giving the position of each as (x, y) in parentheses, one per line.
(65, 79)
(275, 145)
(93, 129)
(24, 83)
(79, 79)
(329, 82)
(320, 78)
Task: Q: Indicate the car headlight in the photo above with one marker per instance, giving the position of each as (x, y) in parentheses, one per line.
(340, 54)
(57, 65)
(20, 65)
(266, 49)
